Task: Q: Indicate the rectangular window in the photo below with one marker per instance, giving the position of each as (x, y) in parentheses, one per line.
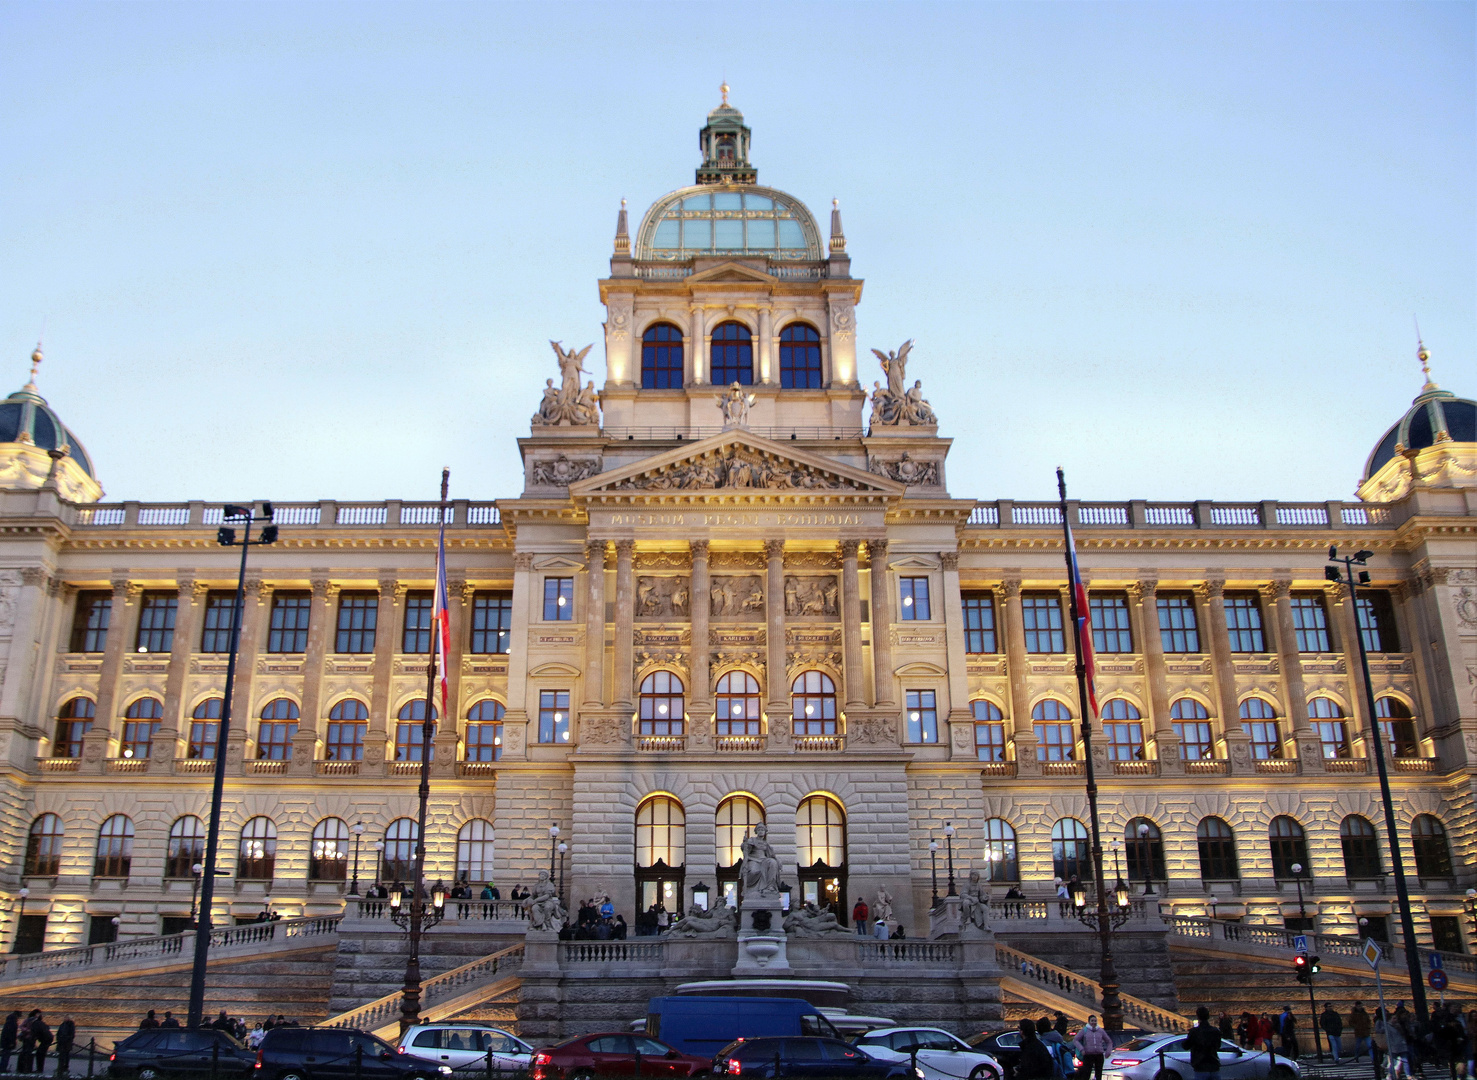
(1196, 741)
(274, 740)
(410, 740)
(357, 614)
(219, 607)
(1446, 933)
(1178, 630)
(553, 716)
(1110, 629)
(558, 599)
(90, 623)
(979, 623)
(989, 741)
(1266, 741)
(204, 737)
(914, 599)
(923, 717)
(1244, 623)
(1310, 620)
(138, 736)
(345, 741)
(1041, 615)
(289, 631)
(1055, 742)
(1334, 735)
(156, 622)
(417, 636)
(484, 742)
(492, 622)
(1376, 623)
(1125, 741)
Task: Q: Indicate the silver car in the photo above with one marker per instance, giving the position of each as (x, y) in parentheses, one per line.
(1167, 1057)
(466, 1047)
(941, 1056)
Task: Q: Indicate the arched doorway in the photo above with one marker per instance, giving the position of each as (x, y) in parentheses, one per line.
(661, 852)
(820, 852)
(737, 817)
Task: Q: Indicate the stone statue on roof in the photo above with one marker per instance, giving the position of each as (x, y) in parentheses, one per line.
(566, 404)
(896, 405)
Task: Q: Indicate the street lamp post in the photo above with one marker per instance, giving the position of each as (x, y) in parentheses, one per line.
(358, 831)
(226, 537)
(949, 840)
(195, 892)
(933, 859)
(553, 853)
(563, 847)
(1144, 859)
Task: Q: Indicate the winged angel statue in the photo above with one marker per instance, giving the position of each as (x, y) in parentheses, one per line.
(898, 406)
(567, 403)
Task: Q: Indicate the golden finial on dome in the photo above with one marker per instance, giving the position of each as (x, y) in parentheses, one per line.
(1423, 355)
(724, 91)
(36, 359)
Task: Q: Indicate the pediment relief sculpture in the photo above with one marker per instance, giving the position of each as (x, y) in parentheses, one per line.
(731, 597)
(733, 468)
(561, 471)
(663, 597)
(906, 470)
(812, 596)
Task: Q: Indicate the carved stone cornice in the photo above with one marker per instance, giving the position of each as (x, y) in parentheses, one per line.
(736, 560)
(811, 560)
(950, 560)
(662, 560)
(850, 548)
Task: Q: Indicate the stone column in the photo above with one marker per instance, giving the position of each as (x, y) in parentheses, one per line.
(768, 373)
(625, 629)
(1018, 667)
(697, 346)
(1341, 615)
(1238, 743)
(776, 664)
(97, 743)
(187, 624)
(1309, 751)
(1144, 598)
(515, 719)
(321, 620)
(594, 625)
(960, 721)
(851, 626)
(700, 694)
(882, 689)
(376, 738)
(31, 658)
(256, 604)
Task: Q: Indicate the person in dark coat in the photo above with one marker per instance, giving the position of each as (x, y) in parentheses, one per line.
(1061, 1026)
(1333, 1026)
(8, 1038)
(1035, 1062)
(150, 1021)
(169, 1020)
(1204, 1044)
(28, 1044)
(66, 1035)
(41, 1032)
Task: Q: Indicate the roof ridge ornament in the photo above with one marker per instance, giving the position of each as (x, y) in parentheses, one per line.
(36, 358)
(838, 235)
(622, 235)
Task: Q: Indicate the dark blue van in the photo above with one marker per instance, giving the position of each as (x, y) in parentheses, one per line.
(701, 1025)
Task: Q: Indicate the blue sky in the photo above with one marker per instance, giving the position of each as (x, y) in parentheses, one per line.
(317, 251)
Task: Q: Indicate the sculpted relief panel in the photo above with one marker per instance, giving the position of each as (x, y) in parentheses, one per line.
(732, 469)
(812, 596)
(663, 597)
(736, 597)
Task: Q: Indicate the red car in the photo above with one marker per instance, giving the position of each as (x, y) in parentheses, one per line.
(614, 1053)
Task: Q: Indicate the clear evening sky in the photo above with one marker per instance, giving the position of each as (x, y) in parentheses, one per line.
(317, 251)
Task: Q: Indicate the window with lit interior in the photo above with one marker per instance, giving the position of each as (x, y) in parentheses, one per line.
(736, 705)
(474, 851)
(989, 730)
(141, 724)
(661, 852)
(553, 716)
(922, 716)
(329, 860)
(484, 733)
(662, 706)
(1070, 852)
(73, 722)
(737, 817)
(258, 850)
(1000, 856)
(813, 704)
(820, 850)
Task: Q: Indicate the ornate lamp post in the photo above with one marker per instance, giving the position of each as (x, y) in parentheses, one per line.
(949, 840)
(563, 847)
(358, 831)
(933, 858)
(553, 851)
(1144, 859)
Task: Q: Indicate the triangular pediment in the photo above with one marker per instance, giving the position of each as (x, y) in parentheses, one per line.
(733, 462)
(730, 271)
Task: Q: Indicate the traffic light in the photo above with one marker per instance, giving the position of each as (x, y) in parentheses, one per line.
(1300, 966)
(1315, 966)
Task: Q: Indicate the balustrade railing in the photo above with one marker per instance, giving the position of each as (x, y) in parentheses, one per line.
(196, 515)
(611, 952)
(819, 744)
(906, 952)
(1059, 980)
(738, 743)
(1281, 939)
(449, 984)
(1007, 513)
(456, 910)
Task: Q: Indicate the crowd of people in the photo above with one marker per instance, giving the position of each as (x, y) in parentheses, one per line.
(28, 1038)
(596, 920)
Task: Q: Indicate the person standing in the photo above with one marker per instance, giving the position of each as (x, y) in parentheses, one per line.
(860, 914)
(1204, 1044)
(9, 1035)
(169, 1020)
(1035, 1061)
(1093, 1043)
(1359, 1026)
(1333, 1026)
(1397, 1038)
(149, 1021)
(66, 1035)
(1287, 1028)
(1379, 1043)
(28, 1044)
(41, 1032)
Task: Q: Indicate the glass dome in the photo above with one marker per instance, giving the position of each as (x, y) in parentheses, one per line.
(743, 220)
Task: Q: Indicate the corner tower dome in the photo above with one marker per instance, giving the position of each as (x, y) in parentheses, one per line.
(1434, 445)
(36, 448)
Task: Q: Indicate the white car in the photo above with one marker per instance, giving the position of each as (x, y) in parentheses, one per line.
(465, 1047)
(941, 1056)
(1166, 1057)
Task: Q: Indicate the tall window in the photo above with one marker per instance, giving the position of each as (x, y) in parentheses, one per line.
(1191, 725)
(358, 613)
(156, 622)
(1310, 622)
(813, 704)
(558, 599)
(474, 851)
(1260, 722)
(820, 853)
(737, 817)
(44, 846)
(989, 730)
(74, 721)
(1333, 733)
(1041, 615)
(410, 730)
(1000, 851)
(397, 862)
(1110, 626)
(979, 623)
(553, 716)
(733, 355)
(289, 631)
(1397, 727)
(492, 622)
(258, 850)
(90, 623)
(205, 727)
(800, 358)
(1052, 722)
(141, 724)
(114, 848)
(1070, 854)
(915, 599)
(1289, 848)
(1179, 632)
(1361, 849)
(219, 607)
(1377, 622)
(330, 852)
(661, 358)
(1244, 623)
(736, 708)
(1143, 844)
(347, 722)
(1432, 854)
(278, 726)
(186, 847)
(923, 716)
(1217, 844)
(661, 852)
(662, 704)
(484, 734)
(1124, 729)
(416, 637)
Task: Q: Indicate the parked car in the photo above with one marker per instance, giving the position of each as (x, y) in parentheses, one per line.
(940, 1055)
(614, 1053)
(175, 1053)
(465, 1047)
(703, 1025)
(1139, 1059)
(296, 1053)
(831, 1059)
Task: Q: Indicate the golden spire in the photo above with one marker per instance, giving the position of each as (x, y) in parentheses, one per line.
(724, 91)
(36, 359)
(1423, 356)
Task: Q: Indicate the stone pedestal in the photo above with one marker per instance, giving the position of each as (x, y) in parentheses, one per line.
(761, 950)
(541, 953)
(945, 920)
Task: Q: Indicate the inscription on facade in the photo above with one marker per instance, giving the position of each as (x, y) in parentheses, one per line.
(715, 518)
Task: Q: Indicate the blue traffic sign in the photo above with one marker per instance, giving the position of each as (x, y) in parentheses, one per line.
(1437, 979)
(1436, 964)
(1300, 943)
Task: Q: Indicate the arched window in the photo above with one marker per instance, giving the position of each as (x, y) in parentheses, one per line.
(1000, 850)
(1361, 849)
(1052, 722)
(474, 852)
(820, 853)
(347, 723)
(989, 730)
(1217, 845)
(205, 729)
(662, 704)
(1333, 733)
(140, 726)
(114, 848)
(484, 736)
(1071, 855)
(813, 704)
(278, 727)
(1125, 730)
(800, 358)
(73, 722)
(1289, 849)
(186, 847)
(737, 817)
(44, 846)
(258, 850)
(410, 731)
(1259, 720)
(397, 862)
(736, 706)
(1191, 725)
(1397, 727)
(1144, 846)
(733, 355)
(661, 853)
(1432, 854)
(330, 855)
(661, 358)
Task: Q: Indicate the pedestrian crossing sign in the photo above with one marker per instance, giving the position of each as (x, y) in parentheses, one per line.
(1300, 943)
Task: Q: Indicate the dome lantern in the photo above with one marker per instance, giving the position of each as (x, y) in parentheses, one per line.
(725, 144)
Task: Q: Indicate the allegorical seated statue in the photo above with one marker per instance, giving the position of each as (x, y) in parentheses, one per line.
(545, 909)
(721, 922)
(974, 903)
(812, 922)
(761, 869)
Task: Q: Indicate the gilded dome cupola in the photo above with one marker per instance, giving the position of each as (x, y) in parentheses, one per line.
(36, 445)
(1434, 445)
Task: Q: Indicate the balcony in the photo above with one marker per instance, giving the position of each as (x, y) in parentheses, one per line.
(1415, 764)
(1063, 768)
(194, 766)
(128, 765)
(737, 744)
(59, 764)
(336, 768)
(1003, 769)
(261, 767)
(1277, 767)
(661, 744)
(1208, 767)
(477, 768)
(819, 744)
(1136, 768)
(1354, 766)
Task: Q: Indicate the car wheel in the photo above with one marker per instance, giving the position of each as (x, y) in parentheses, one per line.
(148, 1074)
(1281, 1072)
(291, 1076)
(1167, 1074)
(984, 1072)
(582, 1074)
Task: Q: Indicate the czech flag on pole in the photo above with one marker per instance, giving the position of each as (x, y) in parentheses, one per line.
(1079, 601)
(440, 620)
